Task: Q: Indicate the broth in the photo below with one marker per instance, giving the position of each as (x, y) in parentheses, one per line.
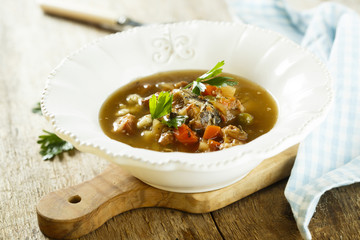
(258, 113)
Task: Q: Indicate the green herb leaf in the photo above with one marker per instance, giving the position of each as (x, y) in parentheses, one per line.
(220, 81)
(161, 105)
(213, 72)
(37, 109)
(174, 120)
(210, 78)
(52, 145)
(198, 87)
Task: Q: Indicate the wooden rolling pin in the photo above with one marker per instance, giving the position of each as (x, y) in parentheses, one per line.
(75, 211)
(97, 16)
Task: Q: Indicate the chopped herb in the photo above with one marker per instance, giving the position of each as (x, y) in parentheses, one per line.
(37, 108)
(198, 85)
(161, 105)
(220, 81)
(213, 72)
(174, 120)
(52, 145)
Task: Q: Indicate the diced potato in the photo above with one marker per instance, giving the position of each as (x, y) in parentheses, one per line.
(147, 135)
(228, 91)
(203, 147)
(144, 121)
(220, 107)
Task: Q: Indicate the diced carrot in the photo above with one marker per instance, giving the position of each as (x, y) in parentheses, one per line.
(210, 90)
(185, 135)
(211, 131)
(214, 145)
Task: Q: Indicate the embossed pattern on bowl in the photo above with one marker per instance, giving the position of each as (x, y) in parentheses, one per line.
(77, 88)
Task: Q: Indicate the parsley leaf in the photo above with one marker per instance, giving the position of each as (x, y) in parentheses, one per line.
(220, 81)
(161, 105)
(210, 78)
(52, 145)
(197, 87)
(174, 120)
(37, 108)
(213, 72)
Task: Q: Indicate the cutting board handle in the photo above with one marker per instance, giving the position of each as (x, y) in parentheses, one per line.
(75, 211)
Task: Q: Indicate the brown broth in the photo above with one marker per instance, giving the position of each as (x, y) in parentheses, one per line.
(256, 100)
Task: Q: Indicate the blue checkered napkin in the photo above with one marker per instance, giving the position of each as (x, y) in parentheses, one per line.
(330, 156)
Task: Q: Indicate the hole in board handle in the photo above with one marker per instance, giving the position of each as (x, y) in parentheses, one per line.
(74, 199)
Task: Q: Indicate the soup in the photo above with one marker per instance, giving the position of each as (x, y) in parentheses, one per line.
(171, 111)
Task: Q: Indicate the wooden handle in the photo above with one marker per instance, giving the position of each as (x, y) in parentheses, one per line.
(73, 212)
(78, 12)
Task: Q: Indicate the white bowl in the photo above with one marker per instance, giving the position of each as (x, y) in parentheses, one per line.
(77, 88)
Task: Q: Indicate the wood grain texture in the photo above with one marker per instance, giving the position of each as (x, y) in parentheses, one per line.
(75, 211)
(31, 45)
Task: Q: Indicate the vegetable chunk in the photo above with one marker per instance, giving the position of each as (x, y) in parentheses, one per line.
(211, 131)
(185, 135)
(125, 124)
(188, 111)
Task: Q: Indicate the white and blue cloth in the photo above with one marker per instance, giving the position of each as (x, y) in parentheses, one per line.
(330, 156)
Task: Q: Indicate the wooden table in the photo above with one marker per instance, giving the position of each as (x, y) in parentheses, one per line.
(31, 45)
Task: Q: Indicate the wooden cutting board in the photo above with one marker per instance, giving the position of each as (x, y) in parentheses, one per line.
(75, 211)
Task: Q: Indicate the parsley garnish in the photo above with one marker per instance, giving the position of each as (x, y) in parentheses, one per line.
(161, 105)
(210, 78)
(174, 120)
(220, 81)
(37, 108)
(52, 145)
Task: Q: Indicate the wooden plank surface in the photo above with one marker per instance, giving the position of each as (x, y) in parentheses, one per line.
(115, 191)
(31, 45)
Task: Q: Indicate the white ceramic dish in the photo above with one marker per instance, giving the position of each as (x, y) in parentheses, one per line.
(77, 88)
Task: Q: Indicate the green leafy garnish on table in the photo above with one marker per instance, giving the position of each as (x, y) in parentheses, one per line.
(37, 108)
(52, 145)
(198, 86)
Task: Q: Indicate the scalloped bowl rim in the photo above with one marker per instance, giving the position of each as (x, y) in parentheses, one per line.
(187, 161)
